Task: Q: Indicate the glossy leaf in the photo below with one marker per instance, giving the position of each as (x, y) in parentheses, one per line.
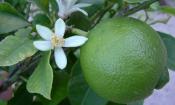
(10, 19)
(169, 42)
(59, 91)
(42, 78)
(79, 92)
(14, 49)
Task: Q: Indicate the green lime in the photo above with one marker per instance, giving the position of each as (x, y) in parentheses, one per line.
(123, 60)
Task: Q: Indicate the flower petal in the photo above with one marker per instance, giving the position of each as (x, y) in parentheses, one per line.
(60, 58)
(43, 45)
(70, 3)
(75, 9)
(62, 8)
(75, 41)
(60, 27)
(44, 32)
(82, 5)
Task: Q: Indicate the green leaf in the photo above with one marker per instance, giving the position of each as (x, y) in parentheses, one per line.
(169, 42)
(42, 78)
(91, 98)
(79, 92)
(24, 32)
(7, 8)
(14, 49)
(96, 5)
(168, 9)
(20, 5)
(41, 19)
(42, 4)
(79, 21)
(59, 91)
(10, 19)
(21, 97)
(3, 102)
(164, 79)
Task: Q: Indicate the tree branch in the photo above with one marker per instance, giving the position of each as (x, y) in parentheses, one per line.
(144, 5)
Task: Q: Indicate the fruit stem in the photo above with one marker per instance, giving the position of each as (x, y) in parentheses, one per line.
(144, 5)
(79, 32)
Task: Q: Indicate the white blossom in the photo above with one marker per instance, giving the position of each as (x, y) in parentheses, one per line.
(55, 41)
(67, 7)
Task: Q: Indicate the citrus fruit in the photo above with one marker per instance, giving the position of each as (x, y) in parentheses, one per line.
(124, 60)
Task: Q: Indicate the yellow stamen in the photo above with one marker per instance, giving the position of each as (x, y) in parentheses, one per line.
(57, 41)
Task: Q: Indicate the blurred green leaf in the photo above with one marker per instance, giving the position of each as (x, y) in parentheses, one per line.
(96, 5)
(7, 8)
(79, 21)
(41, 19)
(42, 4)
(59, 89)
(168, 9)
(54, 5)
(42, 78)
(10, 19)
(21, 97)
(20, 5)
(163, 79)
(3, 102)
(14, 49)
(79, 92)
(24, 32)
(91, 98)
(169, 42)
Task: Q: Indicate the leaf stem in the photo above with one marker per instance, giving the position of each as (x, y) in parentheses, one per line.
(144, 5)
(97, 18)
(15, 74)
(79, 32)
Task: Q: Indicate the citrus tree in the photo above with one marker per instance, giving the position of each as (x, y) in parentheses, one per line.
(82, 52)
